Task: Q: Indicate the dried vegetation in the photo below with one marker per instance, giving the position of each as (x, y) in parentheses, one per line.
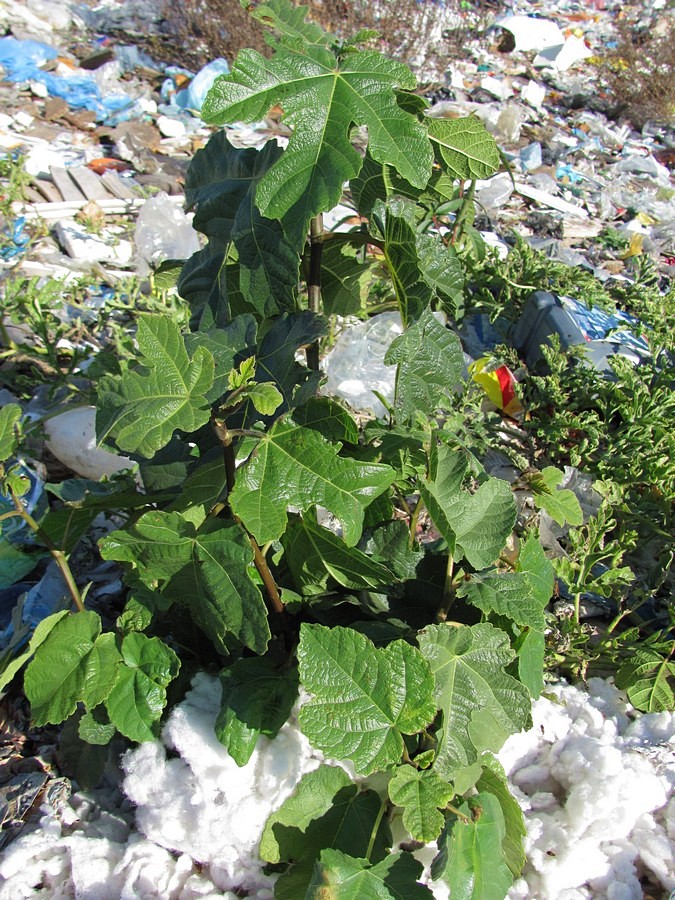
(421, 34)
(639, 74)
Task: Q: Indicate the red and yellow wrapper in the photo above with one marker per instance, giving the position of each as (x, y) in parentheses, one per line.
(499, 384)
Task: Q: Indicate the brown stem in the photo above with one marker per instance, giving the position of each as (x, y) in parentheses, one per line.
(314, 283)
(456, 812)
(267, 577)
(58, 556)
(414, 519)
(230, 466)
(448, 590)
(259, 560)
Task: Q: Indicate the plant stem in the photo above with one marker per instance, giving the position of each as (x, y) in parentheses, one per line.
(376, 828)
(314, 282)
(58, 556)
(229, 460)
(414, 518)
(463, 212)
(225, 437)
(448, 589)
(267, 577)
(456, 812)
(581, 581)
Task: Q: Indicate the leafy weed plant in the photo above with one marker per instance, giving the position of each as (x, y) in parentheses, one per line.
(277, 541)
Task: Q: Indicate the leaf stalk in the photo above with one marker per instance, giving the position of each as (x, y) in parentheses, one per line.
(376, 828)
(58, 556)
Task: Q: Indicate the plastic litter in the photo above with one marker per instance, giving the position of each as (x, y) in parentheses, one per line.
(499, 384)
(498, 88)
(479, 335)
(563, 56)
(163, 231)
(645, 165)
(509, 124)
(194, 95)
(171, 127)
(71, 437)
(48, 596)
(355, 366)
(494, 192)
(545, 314)
(530, 157)
(21, 61)
(86, 247)
(526, 190)
(32, 499)
(534, 94)
(18, 240)
(531, 33)
(130, 57)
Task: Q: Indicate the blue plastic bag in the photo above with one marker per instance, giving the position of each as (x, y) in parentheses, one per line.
(194, 95)
(21, 61)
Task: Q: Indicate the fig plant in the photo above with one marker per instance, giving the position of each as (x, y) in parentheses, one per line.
(290, 537)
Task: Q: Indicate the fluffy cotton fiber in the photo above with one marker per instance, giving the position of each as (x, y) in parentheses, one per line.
(594, 779)
(202, 803)
(594, 787)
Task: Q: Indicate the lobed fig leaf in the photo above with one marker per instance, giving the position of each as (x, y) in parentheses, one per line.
(430, 362)
(481, 704)
(294, 466)
(205, 568)
(257, 699)
(221, 185)
(322, 97)
(364, 699)
(471, 858)
(74, 663)
(466, 147)
(350, 878)
(138, 696)
(474, 525)
(143, 408)
(420, 794)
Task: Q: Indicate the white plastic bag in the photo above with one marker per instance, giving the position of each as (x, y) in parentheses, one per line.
(163, 231)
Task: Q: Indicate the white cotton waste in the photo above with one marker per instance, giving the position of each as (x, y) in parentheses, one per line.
(595, 781)
(198, 818)
(201, 802)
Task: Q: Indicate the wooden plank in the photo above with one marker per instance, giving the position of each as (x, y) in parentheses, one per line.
(32, 195)
(117, 186)
(88, 183)
(48, 190)
(67, 209)
(65, 184)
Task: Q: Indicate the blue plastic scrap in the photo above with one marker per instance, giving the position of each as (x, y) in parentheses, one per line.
(598, 325)
(21, 61)
(603, 334)
(48, 596)
(18, 240)
(194, 95)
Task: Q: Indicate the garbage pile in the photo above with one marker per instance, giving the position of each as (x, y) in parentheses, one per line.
(102, 124)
